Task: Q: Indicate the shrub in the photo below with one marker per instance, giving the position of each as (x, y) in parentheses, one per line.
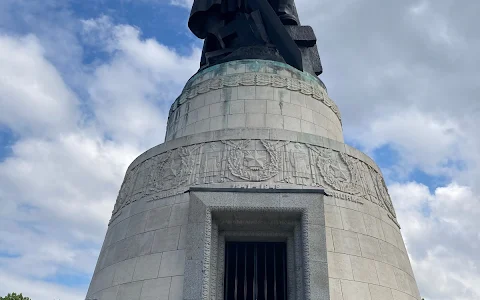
(14, 296)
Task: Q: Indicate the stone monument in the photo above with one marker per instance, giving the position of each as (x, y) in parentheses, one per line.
(253, 195)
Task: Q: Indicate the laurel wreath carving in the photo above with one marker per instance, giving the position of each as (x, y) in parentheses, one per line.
(238, 169)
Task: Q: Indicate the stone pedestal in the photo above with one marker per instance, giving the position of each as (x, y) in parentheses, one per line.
(254, 150)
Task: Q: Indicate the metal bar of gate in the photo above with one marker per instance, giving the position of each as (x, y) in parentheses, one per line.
(284, 262)
(226, 272)
(255, 279)
(279, 281)
(245, 274)
(274, 274)
(236, 270)
(265, 280)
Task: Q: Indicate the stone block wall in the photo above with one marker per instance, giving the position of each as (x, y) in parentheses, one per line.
(367, 259)
(143, 256)
(254, 94)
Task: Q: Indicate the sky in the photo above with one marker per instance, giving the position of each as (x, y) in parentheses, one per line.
(85, 87)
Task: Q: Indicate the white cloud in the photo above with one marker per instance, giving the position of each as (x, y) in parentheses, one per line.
(59, 184)
(33, 95)
(441, 234)
(422, 140)
(182, 3)
(130, 93)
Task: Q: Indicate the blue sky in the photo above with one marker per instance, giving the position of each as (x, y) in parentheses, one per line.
(85, 87)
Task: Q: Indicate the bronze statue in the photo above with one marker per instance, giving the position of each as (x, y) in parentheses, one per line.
(206, 14)
(253, 29)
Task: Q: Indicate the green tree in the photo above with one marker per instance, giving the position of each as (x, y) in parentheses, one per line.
(14, 296)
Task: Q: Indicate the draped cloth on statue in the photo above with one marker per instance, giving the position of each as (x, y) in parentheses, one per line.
(204, 12)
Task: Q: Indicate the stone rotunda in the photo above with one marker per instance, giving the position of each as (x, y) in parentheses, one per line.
(255, 196)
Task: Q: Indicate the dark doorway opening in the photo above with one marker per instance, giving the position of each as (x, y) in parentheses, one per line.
(255, 271)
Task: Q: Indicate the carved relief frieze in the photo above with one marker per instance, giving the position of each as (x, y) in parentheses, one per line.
(264, 162)
(298, 165)
(336, 170)
(155, 181)
(123, 198)
(253, 160)
(384, 198)
(212, 163)
(172, 169)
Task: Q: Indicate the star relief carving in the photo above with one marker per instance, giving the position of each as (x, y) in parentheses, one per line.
(255, 159)
(173, 168)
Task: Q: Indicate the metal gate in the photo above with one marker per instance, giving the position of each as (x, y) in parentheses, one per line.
(255, 271)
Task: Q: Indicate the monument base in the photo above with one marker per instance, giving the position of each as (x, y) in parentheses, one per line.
(313, 211)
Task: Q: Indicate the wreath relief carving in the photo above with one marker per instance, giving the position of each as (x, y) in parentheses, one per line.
(253, 160)
(268, 161)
